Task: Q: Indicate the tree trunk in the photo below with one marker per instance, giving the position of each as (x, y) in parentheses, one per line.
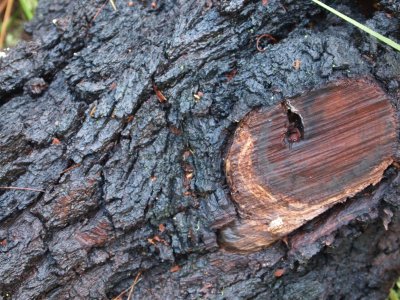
(113, 132)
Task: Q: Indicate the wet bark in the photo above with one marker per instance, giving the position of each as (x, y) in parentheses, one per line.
(130, 186)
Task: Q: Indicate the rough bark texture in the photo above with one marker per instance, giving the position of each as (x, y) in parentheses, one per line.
(134, 185)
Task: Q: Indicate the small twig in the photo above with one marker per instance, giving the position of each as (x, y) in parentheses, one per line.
(263, 36)
(3, 5)
(130, 289)
(6, 18)
(99, 11)
(21, 189)
(121, 294)
(70, 168)
(134, 284)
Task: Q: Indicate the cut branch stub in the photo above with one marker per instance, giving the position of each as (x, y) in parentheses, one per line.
(289, 163)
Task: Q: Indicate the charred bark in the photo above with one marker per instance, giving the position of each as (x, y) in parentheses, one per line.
(117, 124)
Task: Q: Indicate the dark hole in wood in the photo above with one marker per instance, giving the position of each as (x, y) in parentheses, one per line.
(294, 127)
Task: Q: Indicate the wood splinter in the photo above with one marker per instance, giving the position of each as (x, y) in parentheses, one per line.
(289, 163)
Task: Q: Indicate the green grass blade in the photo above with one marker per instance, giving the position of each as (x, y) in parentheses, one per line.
(359, 25)
(26, 8)
(113, 5)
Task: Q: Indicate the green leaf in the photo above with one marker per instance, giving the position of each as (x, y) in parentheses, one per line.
(360, 26)
(393, 295)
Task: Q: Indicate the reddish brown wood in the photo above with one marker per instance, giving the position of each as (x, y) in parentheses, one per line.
(281, 177)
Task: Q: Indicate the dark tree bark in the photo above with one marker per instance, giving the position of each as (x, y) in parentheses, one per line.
(130, 186)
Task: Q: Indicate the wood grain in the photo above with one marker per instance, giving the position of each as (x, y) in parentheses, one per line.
(348, 139)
